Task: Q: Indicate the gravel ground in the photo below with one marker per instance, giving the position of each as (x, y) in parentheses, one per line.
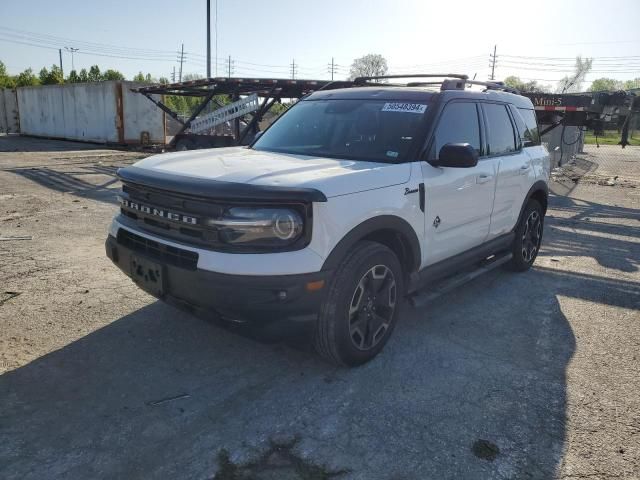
(514, 376)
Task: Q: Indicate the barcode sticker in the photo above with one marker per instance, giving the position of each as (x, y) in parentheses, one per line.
(404, 107)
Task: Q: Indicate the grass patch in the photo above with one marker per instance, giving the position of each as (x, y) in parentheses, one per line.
(610, 137)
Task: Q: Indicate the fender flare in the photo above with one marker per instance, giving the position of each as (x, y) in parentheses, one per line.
(538, 186)
(372, 225)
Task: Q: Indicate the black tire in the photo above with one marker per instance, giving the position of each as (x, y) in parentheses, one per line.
(528, 237)
(361, 308)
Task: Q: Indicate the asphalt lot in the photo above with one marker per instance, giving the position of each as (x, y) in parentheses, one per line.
(514, 376)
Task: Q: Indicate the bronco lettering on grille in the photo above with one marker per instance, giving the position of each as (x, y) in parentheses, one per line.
(174, 216)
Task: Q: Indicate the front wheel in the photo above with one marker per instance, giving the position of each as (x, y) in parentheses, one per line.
(361, 307)
(528, 237)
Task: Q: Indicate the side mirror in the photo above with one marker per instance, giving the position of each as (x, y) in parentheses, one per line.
(456, 155)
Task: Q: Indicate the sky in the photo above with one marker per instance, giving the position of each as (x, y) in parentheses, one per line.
(535, 40)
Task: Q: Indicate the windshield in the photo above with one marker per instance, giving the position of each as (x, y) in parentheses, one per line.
(377, 131)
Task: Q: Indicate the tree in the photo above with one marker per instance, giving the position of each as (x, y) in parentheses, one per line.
(532, 86)
(573, 83)
(74, 77)
(51, 77)
(6, 81)
(112, 75)
(83, 76)
(163, 80)
(26, 79)
(139, 77)
(370, 65)
(94, 74)
(629, 84)
(605, 84)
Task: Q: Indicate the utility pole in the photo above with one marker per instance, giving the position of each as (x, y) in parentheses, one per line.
(60, 54)
(208, 38)
(293, 69)
(229, 67)
(216, 35)
(332, 68)
(72, 50)
(173, 75)
(181, 61)
(493, 63)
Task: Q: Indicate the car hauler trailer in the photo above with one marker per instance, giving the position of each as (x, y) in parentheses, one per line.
(252, 98)
(592, 111)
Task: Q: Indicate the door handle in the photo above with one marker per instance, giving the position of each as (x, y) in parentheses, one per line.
(524, 169)
(483, 178)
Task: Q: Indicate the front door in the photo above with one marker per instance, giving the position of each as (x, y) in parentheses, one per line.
(459, 201)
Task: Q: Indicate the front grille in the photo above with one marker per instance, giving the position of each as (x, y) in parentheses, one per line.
(180, 206)
(165, 253)
(184, 219)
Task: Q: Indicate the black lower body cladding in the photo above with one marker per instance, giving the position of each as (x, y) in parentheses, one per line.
(250, 298)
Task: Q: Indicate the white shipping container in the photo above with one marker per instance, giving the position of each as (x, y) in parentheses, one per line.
(101, 112)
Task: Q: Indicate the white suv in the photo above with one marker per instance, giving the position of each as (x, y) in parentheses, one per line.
(354, 198)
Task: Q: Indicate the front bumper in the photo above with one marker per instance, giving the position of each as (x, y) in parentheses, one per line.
(239, 298)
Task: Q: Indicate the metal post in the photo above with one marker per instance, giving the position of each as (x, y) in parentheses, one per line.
(293, 69)
(332, 68)
(229, 68)
(208, 38)
(493, 63)
(216, 35)
(181, 61)
(60, 54)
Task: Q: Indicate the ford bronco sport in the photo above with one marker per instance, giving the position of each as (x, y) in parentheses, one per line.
(352, 199)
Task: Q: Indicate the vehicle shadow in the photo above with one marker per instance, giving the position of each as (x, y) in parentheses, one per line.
(96, 182)
(24, 143)
(474, 386)
(588, 229)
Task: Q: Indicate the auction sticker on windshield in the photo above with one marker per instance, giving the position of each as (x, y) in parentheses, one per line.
(404, 107)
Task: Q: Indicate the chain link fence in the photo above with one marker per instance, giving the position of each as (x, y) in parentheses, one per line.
(563, 143)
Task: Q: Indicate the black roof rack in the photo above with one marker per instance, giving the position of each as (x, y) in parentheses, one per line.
(450, 81)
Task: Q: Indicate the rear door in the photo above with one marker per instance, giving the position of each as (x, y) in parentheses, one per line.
(459, 201)
(512, 165)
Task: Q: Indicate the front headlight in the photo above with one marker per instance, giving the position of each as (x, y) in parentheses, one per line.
(259, 227)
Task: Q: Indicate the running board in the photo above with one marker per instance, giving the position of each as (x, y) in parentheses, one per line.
(423, 297)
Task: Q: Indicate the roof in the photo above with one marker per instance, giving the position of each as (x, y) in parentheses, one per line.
(403, 93)
(374, 93)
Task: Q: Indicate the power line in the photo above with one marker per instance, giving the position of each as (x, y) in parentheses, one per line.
(52, 40)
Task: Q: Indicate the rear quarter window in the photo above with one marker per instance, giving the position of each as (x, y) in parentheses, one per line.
(529, 133)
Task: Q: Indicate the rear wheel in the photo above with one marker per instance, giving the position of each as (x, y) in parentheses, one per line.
(361, 308)
(528, 237)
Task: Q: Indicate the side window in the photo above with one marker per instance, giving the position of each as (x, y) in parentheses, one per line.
(501, 135)
(531, 134)
(458, 124)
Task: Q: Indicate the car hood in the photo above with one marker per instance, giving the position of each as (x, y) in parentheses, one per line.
(332, 177)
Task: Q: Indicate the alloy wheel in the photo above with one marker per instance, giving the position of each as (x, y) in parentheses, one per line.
(531, 236)
(372, 306)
